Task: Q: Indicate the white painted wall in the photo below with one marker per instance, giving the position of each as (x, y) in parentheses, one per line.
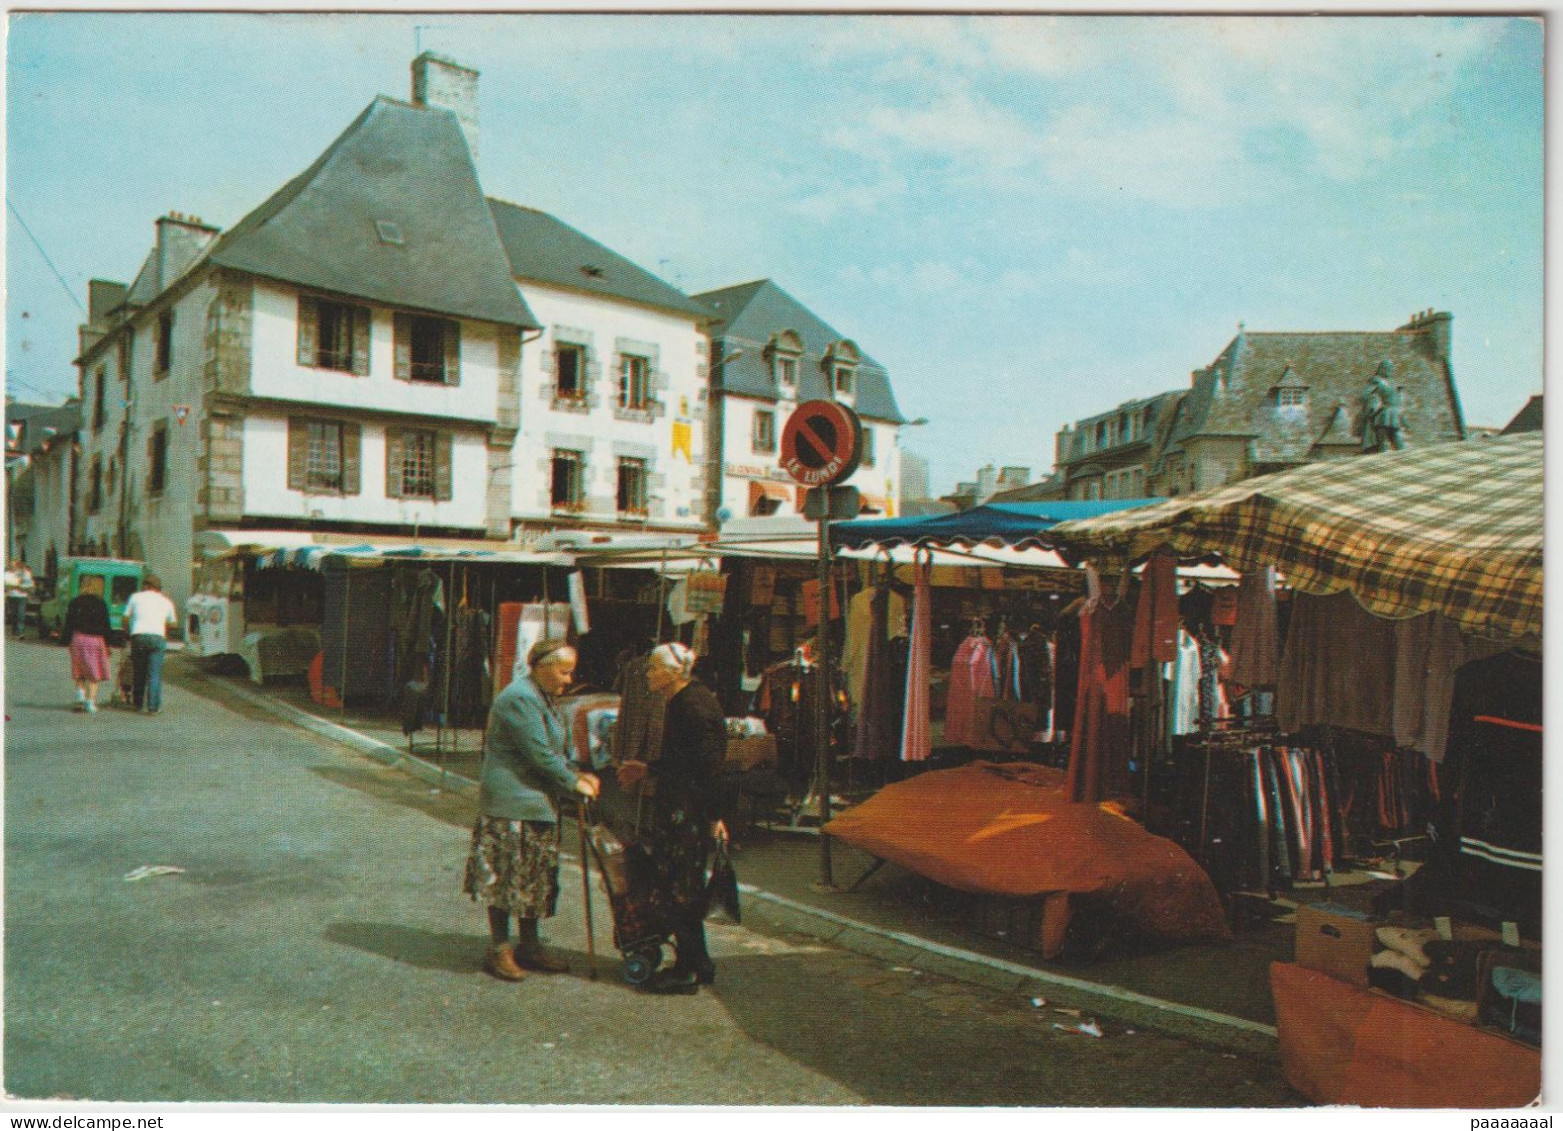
(677, 483)
(266, 491)
(882, 479)
(277, 373)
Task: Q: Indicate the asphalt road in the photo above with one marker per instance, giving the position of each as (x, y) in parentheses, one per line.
(315, 948)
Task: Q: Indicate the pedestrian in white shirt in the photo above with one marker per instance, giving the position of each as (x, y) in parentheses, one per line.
(148, 615)
(18, 588)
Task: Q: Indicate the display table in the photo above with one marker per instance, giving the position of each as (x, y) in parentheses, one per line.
(1344, 1045)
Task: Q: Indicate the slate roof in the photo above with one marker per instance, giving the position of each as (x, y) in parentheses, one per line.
(1528, 419)
(1235, 395)
(547, 250)
(400, 163)
(750, 313)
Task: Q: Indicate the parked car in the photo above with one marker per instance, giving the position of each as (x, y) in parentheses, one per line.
(113, 579)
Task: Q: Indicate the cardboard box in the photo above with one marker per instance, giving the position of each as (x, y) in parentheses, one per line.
(1336, 940)
(750, 753)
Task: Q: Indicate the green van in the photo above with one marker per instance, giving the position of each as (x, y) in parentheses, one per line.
(113, 579)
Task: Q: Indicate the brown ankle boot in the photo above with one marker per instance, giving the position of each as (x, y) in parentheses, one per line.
(501, 962)
(533, 956)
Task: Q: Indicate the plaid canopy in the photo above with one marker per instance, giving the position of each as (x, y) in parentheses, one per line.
(1454, 528)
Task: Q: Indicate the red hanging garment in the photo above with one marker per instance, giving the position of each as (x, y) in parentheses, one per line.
(1099, 743)
(1156, 617)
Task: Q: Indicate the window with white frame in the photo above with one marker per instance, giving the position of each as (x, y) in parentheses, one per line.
(568, 479)
(569, 371)
(764, 431)
(868, 447)
(786, 370)
(634, 381)
(632, 486)
(1292, 398)
(845, 380)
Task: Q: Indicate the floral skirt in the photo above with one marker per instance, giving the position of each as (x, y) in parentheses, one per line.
(514, 865)
(89, 658)
(674, 867)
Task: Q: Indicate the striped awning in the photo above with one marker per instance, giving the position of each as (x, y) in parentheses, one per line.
(1452, 528)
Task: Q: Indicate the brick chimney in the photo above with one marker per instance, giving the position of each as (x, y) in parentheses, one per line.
(1437, 331)
(445, 84)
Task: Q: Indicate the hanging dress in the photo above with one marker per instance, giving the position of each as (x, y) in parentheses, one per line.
(971, 678)
(916, 732)
(1099, 741)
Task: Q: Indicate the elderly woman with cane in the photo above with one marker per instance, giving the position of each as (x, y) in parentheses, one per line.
(513, 865)
(685, 811)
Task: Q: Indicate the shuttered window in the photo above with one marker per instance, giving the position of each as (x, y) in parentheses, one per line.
(324, 456)
(427, 349)
(333, 335)
(418, 464)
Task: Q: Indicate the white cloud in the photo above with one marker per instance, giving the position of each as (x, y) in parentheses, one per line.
(1185, 111)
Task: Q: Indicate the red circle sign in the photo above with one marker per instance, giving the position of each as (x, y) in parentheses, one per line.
(821, 443)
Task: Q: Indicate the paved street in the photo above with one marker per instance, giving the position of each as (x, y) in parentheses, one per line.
(316, 949)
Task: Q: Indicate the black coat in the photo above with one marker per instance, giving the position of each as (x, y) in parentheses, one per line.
(694, 751)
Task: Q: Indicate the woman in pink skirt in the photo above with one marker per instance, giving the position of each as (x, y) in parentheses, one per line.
(86, 629)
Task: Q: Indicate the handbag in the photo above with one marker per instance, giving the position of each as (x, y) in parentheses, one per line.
(722, 885)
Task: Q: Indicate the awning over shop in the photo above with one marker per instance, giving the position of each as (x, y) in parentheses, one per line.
(762, 493)
(302, 549)
(997, 524)
(1454, 528)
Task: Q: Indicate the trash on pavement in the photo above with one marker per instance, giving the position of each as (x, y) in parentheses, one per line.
(1038, 1002)
(1085, 1028)
(1071, 1012)
(146, 870)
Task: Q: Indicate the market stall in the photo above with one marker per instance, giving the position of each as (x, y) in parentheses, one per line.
(1404, 691)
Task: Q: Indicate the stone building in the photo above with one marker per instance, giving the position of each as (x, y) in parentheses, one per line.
(1269, 401)
(769, 353)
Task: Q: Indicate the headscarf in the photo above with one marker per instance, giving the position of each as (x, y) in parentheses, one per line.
(544, 649)
(676, 657)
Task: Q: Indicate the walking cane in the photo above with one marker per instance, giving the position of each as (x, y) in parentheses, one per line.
(586, 887)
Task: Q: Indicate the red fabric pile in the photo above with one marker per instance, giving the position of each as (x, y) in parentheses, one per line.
(1007, 829)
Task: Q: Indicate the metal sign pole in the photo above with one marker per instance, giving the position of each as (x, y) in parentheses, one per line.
(822, 705)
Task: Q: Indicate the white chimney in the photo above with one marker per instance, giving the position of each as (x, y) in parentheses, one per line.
(445, 84)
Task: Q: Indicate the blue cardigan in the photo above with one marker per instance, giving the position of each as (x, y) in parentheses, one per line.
(524, 767)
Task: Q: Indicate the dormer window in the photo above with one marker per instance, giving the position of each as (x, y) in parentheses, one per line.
(783, 350)
(1291, 393)
(841, 362)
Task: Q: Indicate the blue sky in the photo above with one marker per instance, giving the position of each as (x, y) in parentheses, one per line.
(1027, 219)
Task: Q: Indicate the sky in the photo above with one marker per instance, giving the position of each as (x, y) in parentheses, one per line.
(1026, 219)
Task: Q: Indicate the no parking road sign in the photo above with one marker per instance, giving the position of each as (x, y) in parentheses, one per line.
(822, 443)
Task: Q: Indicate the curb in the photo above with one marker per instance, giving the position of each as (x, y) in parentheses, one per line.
(1222, 1030)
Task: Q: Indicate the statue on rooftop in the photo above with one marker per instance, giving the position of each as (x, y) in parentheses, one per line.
(1383, 418)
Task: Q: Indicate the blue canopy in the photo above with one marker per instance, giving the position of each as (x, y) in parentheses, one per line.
(1002, 524)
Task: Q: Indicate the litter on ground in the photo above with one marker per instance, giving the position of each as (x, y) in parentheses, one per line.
(1085, 1028)
(146, 870)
